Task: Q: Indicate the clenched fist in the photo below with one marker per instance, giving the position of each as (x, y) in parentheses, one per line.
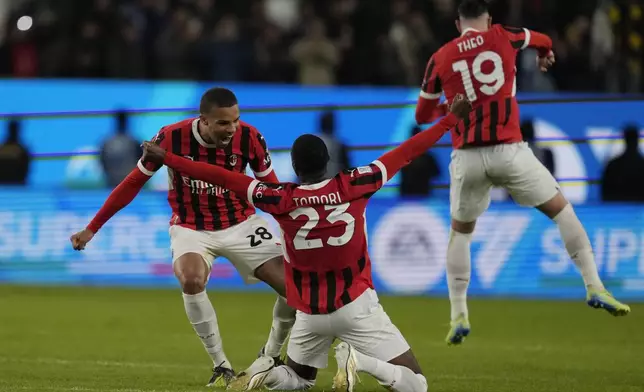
(80, 239)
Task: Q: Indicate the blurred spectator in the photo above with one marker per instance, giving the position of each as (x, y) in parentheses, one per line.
(126, 59)
(283, 13)
(316, 56)
(627, 18)
(89, 57)
(120, 153)
(544, 155)
(623, 178)
(229, 53)
(338, 151)
(14, 157)
(416, 178)
(173, 55)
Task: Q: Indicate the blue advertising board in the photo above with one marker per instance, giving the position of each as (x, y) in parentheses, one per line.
(563, 122)
(516, 251)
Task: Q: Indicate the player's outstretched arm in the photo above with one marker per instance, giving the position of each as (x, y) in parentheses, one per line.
(236, 182)
(522, 38)
(412, 148)
(120, 197)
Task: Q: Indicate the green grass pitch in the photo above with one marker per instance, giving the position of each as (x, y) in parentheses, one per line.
(95, 340)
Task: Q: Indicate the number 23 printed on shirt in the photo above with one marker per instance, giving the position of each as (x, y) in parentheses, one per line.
(338, 214)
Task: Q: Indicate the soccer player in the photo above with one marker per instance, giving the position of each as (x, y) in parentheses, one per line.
(328, 271)
(209, 220)
(489, 150)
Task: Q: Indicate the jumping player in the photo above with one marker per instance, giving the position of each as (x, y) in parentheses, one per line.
(489, 150)
(328, 271)
(209, 220)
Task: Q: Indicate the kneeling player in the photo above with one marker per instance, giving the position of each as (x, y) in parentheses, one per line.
(328, 271)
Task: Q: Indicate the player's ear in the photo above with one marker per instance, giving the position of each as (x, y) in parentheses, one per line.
(489, 22)
(458, 26)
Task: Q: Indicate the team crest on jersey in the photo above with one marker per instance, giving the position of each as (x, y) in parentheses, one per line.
(232, 160)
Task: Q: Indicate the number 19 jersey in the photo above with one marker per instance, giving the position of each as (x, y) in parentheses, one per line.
(481, 66)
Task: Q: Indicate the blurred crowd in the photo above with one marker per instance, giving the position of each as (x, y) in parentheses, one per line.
(599, 43)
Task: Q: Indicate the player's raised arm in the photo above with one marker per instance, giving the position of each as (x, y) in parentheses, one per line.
(428, 108)
(417, 145)
(366, 180)
(522, 38)
(260, 162)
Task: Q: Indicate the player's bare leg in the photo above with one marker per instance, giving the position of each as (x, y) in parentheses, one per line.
(263, 373)
(458, 279)
(401, 374)
(580, 250)
(192, 272)
(272, 273)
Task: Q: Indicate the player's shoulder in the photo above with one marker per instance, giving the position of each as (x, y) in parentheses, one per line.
(503, 31)
(250, 127)
(183, 126)
(357, 175)
(186, 124)
(440, 54)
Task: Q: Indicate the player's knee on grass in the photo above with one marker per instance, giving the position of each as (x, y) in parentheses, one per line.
(272, 273)
(291, 377)
(192, 272)
(408, 360)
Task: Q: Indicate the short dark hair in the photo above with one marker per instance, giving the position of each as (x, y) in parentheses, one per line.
(472, 9)
(309, 155)
(219, 97)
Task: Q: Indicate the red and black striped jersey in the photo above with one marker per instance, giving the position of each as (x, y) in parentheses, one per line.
(482, 66)
(200, 205)
(323, 225)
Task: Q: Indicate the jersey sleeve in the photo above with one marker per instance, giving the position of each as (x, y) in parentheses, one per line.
(522, 38)
(428, 108)
(269, 197)
(260, 162)
(363, 181)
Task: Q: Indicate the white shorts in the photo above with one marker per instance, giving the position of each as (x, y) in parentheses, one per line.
(246, 245)
(363, 324)
(474, 171)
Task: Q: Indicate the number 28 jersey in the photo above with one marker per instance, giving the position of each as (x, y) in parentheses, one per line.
(482, 66)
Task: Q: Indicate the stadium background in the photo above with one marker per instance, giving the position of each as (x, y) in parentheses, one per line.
(66, 107)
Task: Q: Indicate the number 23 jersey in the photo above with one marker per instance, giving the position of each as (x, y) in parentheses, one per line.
(482, 66)
(323, 235)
